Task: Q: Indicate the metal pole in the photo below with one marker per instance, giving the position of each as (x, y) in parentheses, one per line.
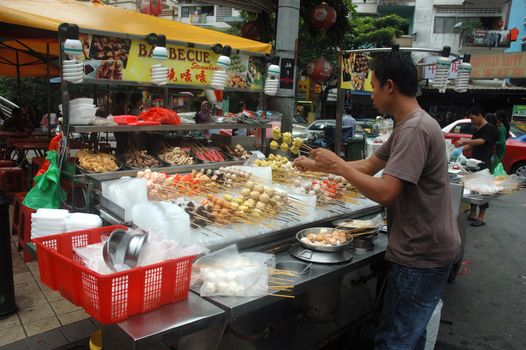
(7, 289)
(286, 43)
(339, 109)
(18, 79)
(48, 92)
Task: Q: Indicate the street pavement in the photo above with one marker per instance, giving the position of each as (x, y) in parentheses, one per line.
(485, 308)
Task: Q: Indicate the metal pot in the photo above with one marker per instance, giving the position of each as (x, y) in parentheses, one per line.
(318, 230)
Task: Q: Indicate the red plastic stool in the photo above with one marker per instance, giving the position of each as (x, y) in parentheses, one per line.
(12, 179)
(4, 163)
(21, 224)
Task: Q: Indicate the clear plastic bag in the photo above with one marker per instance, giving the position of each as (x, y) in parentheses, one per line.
(481, 182)
(229, 273)
(126, 192)
(154, 252)
(91, 256)
(163, 221)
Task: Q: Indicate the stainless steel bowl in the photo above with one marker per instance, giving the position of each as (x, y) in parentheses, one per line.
(355, 230)
(123, 248)
(317, 230)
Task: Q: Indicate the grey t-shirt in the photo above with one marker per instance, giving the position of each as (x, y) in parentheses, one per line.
(423, 232)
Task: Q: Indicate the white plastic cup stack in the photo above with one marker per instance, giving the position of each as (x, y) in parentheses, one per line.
(47, 222)
(82, 221)
(159, 74)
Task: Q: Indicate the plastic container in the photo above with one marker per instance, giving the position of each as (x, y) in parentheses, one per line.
(114, 297)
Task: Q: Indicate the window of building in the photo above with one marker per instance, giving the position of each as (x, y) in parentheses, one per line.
(446, 24)
(186, 11)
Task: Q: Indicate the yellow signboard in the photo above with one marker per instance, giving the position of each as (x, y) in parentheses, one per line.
(112, 58)
(355, 72)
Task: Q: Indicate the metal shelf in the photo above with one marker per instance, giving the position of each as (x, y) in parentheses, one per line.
(113, 175)
(129, 128)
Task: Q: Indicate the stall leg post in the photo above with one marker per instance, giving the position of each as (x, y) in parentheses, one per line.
(7, 286)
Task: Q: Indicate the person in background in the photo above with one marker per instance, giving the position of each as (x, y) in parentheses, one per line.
(136, 104)
(31, 115)
(240, 113)
(203, 116)
(500, 141)
(348, 125)
(482, 144)
(423, 240)
(18, 122)
(119, 104)
(503, 120)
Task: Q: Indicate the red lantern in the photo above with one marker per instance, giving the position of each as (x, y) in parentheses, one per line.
(323, 16)
(151, 7)
(320, 69)
(251, 30)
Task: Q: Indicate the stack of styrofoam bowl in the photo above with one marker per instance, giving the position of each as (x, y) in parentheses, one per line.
(159, 74)
(47, 222)
(82, 111)
(82, 221)
(73, 71)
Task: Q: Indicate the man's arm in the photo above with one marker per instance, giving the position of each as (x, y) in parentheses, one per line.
(475, 142)
(383, 190)
(369, 166)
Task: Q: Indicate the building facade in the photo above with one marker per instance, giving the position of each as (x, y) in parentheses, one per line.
(465, 25)
(191, 12)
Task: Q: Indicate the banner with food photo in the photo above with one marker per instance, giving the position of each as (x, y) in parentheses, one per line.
(355, 72)
(115, 58)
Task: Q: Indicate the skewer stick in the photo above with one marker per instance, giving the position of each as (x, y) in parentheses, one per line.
(282, 296)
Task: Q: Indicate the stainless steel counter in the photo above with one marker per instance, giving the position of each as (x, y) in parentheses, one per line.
(319, 273)
(170, 322)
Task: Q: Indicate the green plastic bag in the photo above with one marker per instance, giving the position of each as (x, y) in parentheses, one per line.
(46, 192)
(499, 171)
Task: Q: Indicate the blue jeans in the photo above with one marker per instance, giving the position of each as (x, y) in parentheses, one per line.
(411, 296)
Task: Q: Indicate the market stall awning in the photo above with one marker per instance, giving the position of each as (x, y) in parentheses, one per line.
(28, 58)
(20, 18)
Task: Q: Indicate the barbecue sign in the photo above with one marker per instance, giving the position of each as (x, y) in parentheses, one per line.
(113, 58)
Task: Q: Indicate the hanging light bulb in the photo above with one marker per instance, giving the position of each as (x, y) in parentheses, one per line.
(273, 76)
(72, 68)
(442, 70)
(463, 74)
(223, 62)
(159, 73)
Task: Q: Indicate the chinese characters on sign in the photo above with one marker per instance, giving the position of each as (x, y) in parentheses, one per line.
(505, 65)
(112, 58)
(286, 80)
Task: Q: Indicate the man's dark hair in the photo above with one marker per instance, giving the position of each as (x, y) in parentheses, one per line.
(348, 111)
(475, 110)
(491, 118)
(135, 98)
(400, 68)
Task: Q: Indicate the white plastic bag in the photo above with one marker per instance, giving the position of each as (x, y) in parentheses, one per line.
(228, 273)
(163, 221)
(154, 252)
(91, 256)
(126, 192)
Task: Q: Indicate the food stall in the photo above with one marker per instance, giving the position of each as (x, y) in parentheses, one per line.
(328, 292)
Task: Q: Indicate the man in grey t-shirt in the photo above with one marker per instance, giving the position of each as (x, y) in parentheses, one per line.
(423, 235)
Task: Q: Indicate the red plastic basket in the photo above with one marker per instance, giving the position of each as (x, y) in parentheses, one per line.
(115, 297)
